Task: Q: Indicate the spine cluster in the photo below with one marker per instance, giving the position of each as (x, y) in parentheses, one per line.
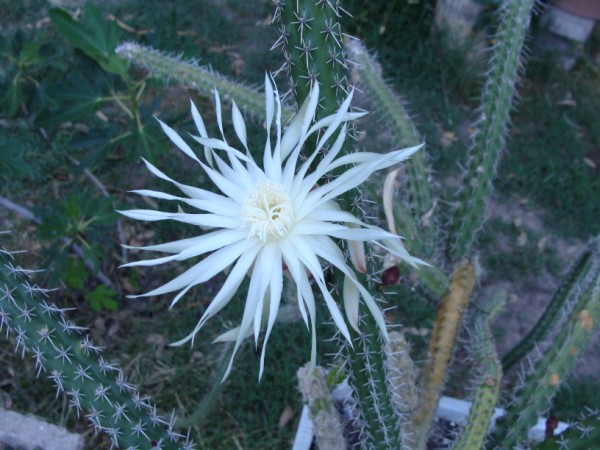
(488, 142)
(202, 79)
(95, 387)
(313, 47)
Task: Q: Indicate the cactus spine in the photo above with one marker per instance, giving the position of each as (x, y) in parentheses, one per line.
(583, 435)
(202, 79)
(574, 283)
(448, 323)
(488, 143)
(312, 44)
(489, 380)
(542, 382)
(381, 420)
(95, 387)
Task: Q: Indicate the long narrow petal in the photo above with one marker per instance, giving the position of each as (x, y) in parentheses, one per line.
(309, 114)
(223, 206)
(170, 247)
(210, 242)
(238, 124)
(178, 141)
(205, 269)
(190, 191)
(202, 130)
(256, 292)
(225, 294)
(207, 220)
(306, 299)
(308, 258)
(149, 215)
(351, 302)
(388, 199)
(276, 287)
(326, 249)
(218, 114)
(303, 184)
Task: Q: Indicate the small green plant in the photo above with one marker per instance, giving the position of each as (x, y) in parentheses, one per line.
(105, 82)
(30, 62)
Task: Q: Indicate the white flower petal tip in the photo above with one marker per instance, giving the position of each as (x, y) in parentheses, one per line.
(264, 220)
(351, 303)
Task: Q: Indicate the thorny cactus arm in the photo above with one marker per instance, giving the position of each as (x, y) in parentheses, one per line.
(204, 80)
(312, 44)
(488, 379)
(488, 143)
(95, 387)
(575, 282)
(542, 381)
(447, 326)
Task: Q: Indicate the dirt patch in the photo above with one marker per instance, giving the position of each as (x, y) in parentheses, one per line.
(528, 295)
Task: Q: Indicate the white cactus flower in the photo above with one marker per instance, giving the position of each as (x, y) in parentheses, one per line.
(281, 216)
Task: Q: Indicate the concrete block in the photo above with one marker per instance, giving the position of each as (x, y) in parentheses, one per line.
(28, 433)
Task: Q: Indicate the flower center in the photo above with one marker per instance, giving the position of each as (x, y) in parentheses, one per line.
(268, 212)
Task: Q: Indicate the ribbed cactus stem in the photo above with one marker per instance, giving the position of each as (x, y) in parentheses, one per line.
(549, 373)
(202, 79)
(488, 381)
(95, 387)
(402, 380)
(446, 328)
(312, 43)
(574, 283)
(398, 121)
(368, 377)
(488, 142)
(582, 435)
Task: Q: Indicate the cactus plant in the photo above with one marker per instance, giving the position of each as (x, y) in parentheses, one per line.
(96, 388)
(393, 398)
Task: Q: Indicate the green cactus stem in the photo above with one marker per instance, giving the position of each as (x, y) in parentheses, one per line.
(398, 121)
(447, 326)
(549, 373)
(202, 79)
(576, 281)
(368, 377)
(95, 387)
(489, 379)
(312, 44)
(488, 142)
(583, 435)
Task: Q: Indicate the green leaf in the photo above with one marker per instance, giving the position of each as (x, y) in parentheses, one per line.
(102, 298)
(76, 274)
(94, 36)
(80, 97)
(11, 160)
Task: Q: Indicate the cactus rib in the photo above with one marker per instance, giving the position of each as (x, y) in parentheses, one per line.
(488, 142)
(202, 79)
(96, 388)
